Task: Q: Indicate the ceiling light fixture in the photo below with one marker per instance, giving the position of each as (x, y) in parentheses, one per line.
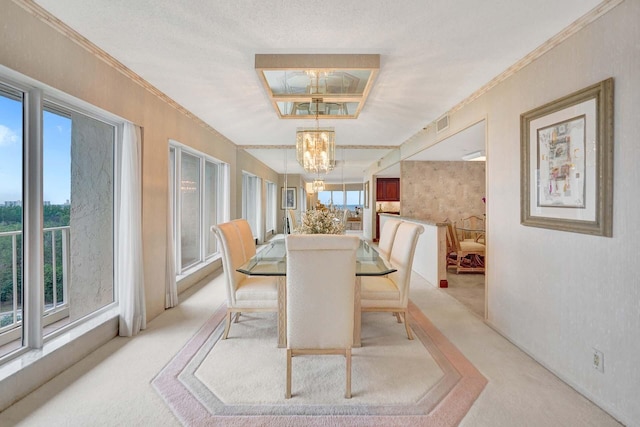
(315, 147)
(318, 185)
(293, 80)
(476, 156)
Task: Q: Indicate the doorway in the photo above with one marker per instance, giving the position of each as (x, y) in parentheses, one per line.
(451, 175)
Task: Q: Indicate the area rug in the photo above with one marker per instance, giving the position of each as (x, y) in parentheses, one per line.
(396, 382)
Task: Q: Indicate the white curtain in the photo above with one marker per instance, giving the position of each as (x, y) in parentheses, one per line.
(130, 277)
(171, 295)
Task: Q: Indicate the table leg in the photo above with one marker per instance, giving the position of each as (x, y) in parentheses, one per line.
(357, 315)
(282, 312)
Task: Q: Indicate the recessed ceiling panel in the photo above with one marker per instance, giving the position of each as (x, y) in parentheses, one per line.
(337, 84)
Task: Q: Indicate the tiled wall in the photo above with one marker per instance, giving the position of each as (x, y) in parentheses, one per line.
(435, 191)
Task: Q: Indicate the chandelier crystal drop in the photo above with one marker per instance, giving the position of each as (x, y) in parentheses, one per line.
(318, 185)
(316, 148)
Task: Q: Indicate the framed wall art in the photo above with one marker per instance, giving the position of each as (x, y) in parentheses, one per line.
(289, 198)
(566, 162)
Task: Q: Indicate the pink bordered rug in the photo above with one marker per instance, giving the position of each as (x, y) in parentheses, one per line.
(396, 382)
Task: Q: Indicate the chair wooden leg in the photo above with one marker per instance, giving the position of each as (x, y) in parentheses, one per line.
(287, 394)
(348, 355)
(237, 317)
(227, 326)
(397, 314)
(406, 325)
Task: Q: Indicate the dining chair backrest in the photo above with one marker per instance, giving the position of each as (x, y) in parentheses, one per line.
(472, 227)
(404, 247)
(233, 256)
(246, 235)
(293, 223)
(452, 237)
(387, 236)
(321, 275)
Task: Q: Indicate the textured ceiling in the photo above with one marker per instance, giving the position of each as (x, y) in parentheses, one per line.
(434, 53)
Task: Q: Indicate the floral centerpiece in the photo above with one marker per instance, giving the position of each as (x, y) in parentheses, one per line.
(317, 221)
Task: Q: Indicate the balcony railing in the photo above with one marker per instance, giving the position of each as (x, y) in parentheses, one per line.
(56, 241)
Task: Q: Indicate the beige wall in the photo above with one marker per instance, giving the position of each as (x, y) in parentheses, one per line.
(35, 49)
(435, 191)
(558, 295)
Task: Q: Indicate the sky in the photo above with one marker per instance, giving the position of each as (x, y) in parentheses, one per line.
(56, 154)
(352, 197)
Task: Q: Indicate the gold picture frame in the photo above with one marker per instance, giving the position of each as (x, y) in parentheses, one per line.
(566, 162)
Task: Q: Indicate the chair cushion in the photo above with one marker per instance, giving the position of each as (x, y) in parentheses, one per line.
(256, 288)
(471, 246)
(378, 288)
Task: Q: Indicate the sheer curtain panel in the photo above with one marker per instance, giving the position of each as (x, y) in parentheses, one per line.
(129, 255)
(171, 287)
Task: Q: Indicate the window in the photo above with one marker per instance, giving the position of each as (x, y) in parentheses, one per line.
(198, 201)
(251, 185)
(11, 120)
(354, 198)
(190, 210)
(56, 240)
(212, 205)
(337, 198)
(271, 208)
(324, 197)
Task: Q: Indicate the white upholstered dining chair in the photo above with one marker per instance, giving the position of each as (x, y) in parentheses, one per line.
(293, 223)
(244, 293)
(387, 235)
(246, 235)
(391, 293)
(321, 277)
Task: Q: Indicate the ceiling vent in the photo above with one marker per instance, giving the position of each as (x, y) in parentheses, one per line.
(442, 123)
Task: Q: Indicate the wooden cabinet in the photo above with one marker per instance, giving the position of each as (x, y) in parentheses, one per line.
(388, 190)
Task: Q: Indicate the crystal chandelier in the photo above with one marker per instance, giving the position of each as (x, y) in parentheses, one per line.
(318, 185)
(315, 147)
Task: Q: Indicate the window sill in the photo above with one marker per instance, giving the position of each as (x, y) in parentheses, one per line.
(193, 275)
(29, 369)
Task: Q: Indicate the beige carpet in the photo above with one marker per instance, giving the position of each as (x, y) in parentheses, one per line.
(468, 289)
(112, 386)
(248, 368)
(396, 381)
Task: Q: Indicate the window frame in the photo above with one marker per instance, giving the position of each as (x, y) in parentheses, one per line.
(37, 98)
(271, 207)
(221, 194)
(252, 202)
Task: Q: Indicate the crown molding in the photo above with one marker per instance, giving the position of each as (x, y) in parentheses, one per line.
(338, 147)
(43, 15)
(545, 47)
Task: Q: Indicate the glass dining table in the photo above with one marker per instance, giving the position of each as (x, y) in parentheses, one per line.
(272, 261)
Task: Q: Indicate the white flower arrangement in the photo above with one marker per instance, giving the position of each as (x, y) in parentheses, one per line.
(317, 221)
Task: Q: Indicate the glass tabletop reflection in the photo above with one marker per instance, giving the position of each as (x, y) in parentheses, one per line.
(272, 261)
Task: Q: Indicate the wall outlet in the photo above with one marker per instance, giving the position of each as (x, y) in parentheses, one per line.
(598, 360)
